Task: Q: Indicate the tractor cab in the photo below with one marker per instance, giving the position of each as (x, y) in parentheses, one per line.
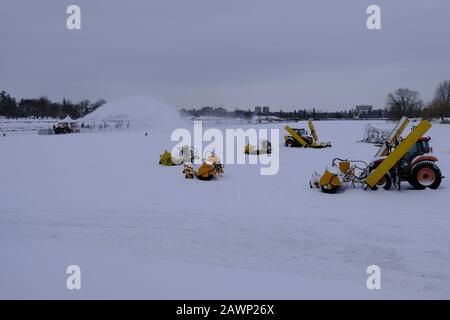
(417, 166)
(421, 147)
(290, 141)
(420, 151)
(301, 132)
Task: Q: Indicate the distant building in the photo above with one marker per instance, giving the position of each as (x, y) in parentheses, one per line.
(363, 110)
(257, 110)
(266, 110)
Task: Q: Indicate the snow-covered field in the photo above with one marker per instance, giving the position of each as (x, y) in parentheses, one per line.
(139, 230)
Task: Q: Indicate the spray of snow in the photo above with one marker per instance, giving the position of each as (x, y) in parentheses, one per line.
(143, 112)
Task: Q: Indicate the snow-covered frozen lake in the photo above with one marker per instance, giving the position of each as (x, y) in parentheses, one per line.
(140, 230)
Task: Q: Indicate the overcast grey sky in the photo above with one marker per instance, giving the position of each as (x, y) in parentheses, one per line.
(285, 54)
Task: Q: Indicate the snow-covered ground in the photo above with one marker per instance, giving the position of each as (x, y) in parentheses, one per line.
(139, 230)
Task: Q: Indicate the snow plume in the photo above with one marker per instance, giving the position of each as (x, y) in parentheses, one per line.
(141, 112)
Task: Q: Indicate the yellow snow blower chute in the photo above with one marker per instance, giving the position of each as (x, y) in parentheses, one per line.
(409, 159)
(301, 139)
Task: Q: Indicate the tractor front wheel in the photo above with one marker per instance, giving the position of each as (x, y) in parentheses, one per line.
(385, 183)
(425, 174)
(289, 143)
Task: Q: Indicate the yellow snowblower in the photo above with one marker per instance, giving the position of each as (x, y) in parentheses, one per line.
(349, 171)
(185, 154)
(166, 159)
(299, 138)
(189, 171)
(209, 169)
(409, 159)
(265, 147)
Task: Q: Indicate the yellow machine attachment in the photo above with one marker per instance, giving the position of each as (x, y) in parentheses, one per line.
(250, 149)
(208, 170)
(218, 166)
(344, 166)
(329, 181)
(166, 159)
(265, 147)
(349, 171)
(398, 153)
(314, 143)
(186, 154)
(188, 171)
(313, 131)
(214, 158)
(320, 145)
(393, 137)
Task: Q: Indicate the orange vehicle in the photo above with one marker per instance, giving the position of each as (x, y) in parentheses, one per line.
(417, 167)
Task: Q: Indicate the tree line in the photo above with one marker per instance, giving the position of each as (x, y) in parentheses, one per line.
(45, 108)
(402, 102)
(406, 102)
(301, 114)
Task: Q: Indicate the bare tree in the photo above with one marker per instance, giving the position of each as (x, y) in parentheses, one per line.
(441, 100)
(404, 102)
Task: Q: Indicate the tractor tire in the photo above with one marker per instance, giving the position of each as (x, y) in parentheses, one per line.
(385, 183)
(289, 143)
(425, 174)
